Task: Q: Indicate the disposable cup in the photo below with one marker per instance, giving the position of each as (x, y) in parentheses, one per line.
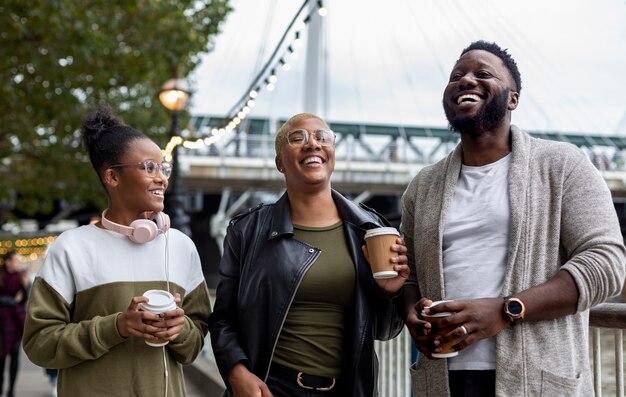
(159, 301)
(379, 242)
(435, 320)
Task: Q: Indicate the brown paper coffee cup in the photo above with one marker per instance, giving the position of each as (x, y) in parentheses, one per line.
(379, 242)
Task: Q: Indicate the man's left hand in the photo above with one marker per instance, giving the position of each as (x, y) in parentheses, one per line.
(482, 318)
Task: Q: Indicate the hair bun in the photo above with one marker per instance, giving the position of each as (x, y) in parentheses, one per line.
(99, 122)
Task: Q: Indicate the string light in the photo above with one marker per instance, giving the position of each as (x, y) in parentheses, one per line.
(297, 42)
(299, 26)
(283, 64)
(243, 107)
(30, 249)
(273, 78)
(293, 54)
(320, 9)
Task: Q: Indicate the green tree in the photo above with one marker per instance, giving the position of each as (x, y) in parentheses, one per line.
(60, 59)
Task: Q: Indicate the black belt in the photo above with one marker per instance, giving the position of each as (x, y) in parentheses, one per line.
(305, 381)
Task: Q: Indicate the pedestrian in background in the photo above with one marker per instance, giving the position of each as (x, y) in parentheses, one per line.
(14, 285)
(79, 316)
(52, 375)
(519, 233)
(297, 309)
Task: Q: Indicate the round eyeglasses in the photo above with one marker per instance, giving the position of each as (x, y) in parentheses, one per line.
(301, 137)
(151, 167)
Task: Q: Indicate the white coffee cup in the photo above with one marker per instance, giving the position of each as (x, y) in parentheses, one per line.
(159, 301)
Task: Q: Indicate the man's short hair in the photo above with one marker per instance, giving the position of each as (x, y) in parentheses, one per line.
(496, 50)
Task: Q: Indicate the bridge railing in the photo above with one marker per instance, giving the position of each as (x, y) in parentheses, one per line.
(607, 323)
(385, 162)
(607, 152)
(374, 148)
(379, 148)
(249, 161)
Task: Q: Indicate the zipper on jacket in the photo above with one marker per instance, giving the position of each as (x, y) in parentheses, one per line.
(307, 266)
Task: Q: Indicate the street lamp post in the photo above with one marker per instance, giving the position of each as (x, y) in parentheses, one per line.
(174, 96)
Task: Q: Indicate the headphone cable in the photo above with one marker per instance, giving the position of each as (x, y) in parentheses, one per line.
(167, 278)
(167, 260)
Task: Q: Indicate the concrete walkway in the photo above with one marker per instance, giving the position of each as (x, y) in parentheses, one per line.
(32, 381)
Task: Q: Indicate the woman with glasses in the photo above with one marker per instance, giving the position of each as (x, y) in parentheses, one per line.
(297, 309)
(84, 313)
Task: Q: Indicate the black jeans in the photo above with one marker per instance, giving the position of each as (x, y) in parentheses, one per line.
(14, 354)
(283, 382)
(472, 383)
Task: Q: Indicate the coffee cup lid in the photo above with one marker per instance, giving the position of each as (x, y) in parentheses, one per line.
(158, 300)
(379, 231)
(441, 314)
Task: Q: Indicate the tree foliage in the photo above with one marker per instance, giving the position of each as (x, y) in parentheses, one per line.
(60, 59)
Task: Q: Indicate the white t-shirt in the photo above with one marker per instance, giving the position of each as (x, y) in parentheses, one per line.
(475, 247)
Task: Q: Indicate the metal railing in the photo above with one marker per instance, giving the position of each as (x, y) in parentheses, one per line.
(394, 356)
(605, 320)
(390, 148)
(376, 163)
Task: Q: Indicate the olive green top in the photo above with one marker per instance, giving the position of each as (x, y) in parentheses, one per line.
(312, 338)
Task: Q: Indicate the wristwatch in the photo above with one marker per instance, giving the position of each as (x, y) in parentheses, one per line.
(513, 309)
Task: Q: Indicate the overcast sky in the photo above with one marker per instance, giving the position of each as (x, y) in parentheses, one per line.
(388, 62)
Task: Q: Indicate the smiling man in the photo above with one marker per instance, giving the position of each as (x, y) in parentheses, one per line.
(518, 234)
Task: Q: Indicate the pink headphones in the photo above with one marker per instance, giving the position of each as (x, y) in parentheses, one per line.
(140, 230)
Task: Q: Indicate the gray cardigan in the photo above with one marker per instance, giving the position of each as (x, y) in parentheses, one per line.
(562, 217)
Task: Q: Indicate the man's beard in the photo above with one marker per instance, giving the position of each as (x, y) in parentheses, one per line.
(487, 118)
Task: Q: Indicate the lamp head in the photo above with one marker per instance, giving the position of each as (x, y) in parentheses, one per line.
(174, 94)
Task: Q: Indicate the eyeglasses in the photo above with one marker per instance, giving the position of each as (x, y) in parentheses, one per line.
(301, 137)
(150, 166)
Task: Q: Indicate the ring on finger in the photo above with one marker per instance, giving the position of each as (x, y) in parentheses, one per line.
(464, 330)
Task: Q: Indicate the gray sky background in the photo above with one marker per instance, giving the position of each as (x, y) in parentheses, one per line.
(388, 62)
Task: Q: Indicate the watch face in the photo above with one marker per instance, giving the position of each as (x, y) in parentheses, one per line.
(514, 307)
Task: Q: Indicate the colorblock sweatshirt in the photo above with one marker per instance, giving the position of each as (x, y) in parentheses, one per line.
(88, 277)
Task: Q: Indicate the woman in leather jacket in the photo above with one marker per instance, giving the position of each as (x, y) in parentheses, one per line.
(297, 309)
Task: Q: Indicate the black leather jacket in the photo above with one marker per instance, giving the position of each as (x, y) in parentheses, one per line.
(260, 271)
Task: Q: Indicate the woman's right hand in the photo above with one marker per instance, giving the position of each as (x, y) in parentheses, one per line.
(135, 322)
(420, 329)
(246, 384)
